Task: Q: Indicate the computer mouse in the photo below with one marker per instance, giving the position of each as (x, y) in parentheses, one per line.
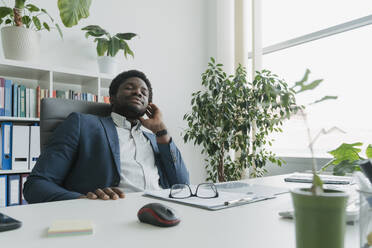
(158, 214)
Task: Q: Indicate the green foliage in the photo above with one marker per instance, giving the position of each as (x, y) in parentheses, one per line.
(30, 15)
(223, 113)
(346, 158)
(109, 44)
(71, 11)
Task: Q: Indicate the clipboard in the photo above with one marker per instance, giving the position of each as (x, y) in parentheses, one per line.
(224, 200)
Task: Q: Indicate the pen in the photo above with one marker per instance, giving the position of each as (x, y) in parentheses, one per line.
(245, 199)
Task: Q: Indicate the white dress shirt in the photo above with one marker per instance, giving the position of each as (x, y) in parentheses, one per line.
(137, 161)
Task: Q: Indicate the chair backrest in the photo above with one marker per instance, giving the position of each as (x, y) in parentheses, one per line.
(53, 111)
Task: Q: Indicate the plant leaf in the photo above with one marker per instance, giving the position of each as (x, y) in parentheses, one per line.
(348, 152)
(317, 186)
(127, 50)
(125, 36)
(324, 98)
(37, 23)
(94, 30)
(309, 86)
(102, 46)
(32, 8)
(345, 167)
(113, 46)
(4, 11)
(26, 20)
(369, 151)
(46, 26)
(71, 11)
(59, 30)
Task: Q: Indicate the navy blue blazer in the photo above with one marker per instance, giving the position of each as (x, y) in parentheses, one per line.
(84, 155)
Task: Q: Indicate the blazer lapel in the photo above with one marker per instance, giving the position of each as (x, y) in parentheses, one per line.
(113, 139)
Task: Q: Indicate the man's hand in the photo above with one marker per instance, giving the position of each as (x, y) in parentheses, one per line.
(155, 122)
(105, 194)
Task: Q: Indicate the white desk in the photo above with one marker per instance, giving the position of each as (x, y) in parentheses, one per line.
(116, 224)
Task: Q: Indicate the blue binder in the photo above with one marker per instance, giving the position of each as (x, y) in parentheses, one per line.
(3, 190)
(6, 145)
(8, 97)
(13, 190)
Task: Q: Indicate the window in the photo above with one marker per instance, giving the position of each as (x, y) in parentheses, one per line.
(343, 60)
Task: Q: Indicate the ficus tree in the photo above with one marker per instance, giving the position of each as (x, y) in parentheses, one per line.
(222, 116)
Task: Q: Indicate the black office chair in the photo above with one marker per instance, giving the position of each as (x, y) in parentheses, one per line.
(53, 111)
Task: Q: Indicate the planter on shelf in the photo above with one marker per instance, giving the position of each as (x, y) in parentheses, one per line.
(107, 64)
(320, 219)
(20, 43)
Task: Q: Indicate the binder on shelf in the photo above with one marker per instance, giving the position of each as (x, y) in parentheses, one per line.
(22, 200)
(3, 190)
(15, 99)
(28, 102)
(2, 98)
(8, 97)
(6, 146)
(23, 101)
(19, 101)
(34, 145)
(20, 147)
(33, 103)
(13, 190)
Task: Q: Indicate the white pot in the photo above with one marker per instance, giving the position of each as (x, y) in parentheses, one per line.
(20, 43)
(107, 64)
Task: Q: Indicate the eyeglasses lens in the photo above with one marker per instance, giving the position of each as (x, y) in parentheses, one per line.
(206, 191)
(180, 191)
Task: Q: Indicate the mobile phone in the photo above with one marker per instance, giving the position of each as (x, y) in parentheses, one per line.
(8, 223)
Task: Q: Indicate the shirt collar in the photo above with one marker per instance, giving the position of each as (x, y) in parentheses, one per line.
(122, 122)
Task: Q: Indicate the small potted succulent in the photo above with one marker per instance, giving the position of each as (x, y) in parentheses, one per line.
(21, 24)
(108, 46)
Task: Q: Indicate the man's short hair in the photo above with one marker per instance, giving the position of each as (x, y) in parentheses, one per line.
(122, 77)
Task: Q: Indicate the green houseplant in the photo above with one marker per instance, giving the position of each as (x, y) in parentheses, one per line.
(346, 158)
(108, 46)
(319, 213)
(222, 116)
(19, 34)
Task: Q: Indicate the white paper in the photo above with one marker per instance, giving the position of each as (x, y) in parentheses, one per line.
(210, 203)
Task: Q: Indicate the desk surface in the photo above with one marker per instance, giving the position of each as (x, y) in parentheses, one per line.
(116, 224)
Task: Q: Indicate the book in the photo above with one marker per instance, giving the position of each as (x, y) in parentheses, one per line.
(2, 96)
(15, 100)
(70, 227)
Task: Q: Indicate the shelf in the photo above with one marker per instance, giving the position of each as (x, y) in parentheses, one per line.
(20, 119)
(2, 172)
(72, 78)
(19, 71)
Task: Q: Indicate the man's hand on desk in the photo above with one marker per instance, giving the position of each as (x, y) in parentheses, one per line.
(105, 194)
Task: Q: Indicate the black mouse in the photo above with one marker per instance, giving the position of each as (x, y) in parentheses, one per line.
(158, 214)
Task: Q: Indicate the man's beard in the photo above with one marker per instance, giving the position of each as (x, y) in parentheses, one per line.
(132, 112)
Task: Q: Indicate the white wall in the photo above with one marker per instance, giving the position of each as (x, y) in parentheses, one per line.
(172, 50)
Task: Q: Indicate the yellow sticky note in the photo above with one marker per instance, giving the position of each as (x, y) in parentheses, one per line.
(70, 227)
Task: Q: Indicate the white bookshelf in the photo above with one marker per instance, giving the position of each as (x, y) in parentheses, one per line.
(32, 75)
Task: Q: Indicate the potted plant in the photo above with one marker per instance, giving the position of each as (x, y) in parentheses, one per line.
(108, 46)
(19, 34)
(222, 116)
(319, 213)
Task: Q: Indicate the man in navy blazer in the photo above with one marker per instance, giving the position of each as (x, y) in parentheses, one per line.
(103, 157)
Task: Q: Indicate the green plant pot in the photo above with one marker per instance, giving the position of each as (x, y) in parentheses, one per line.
(319, 219)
